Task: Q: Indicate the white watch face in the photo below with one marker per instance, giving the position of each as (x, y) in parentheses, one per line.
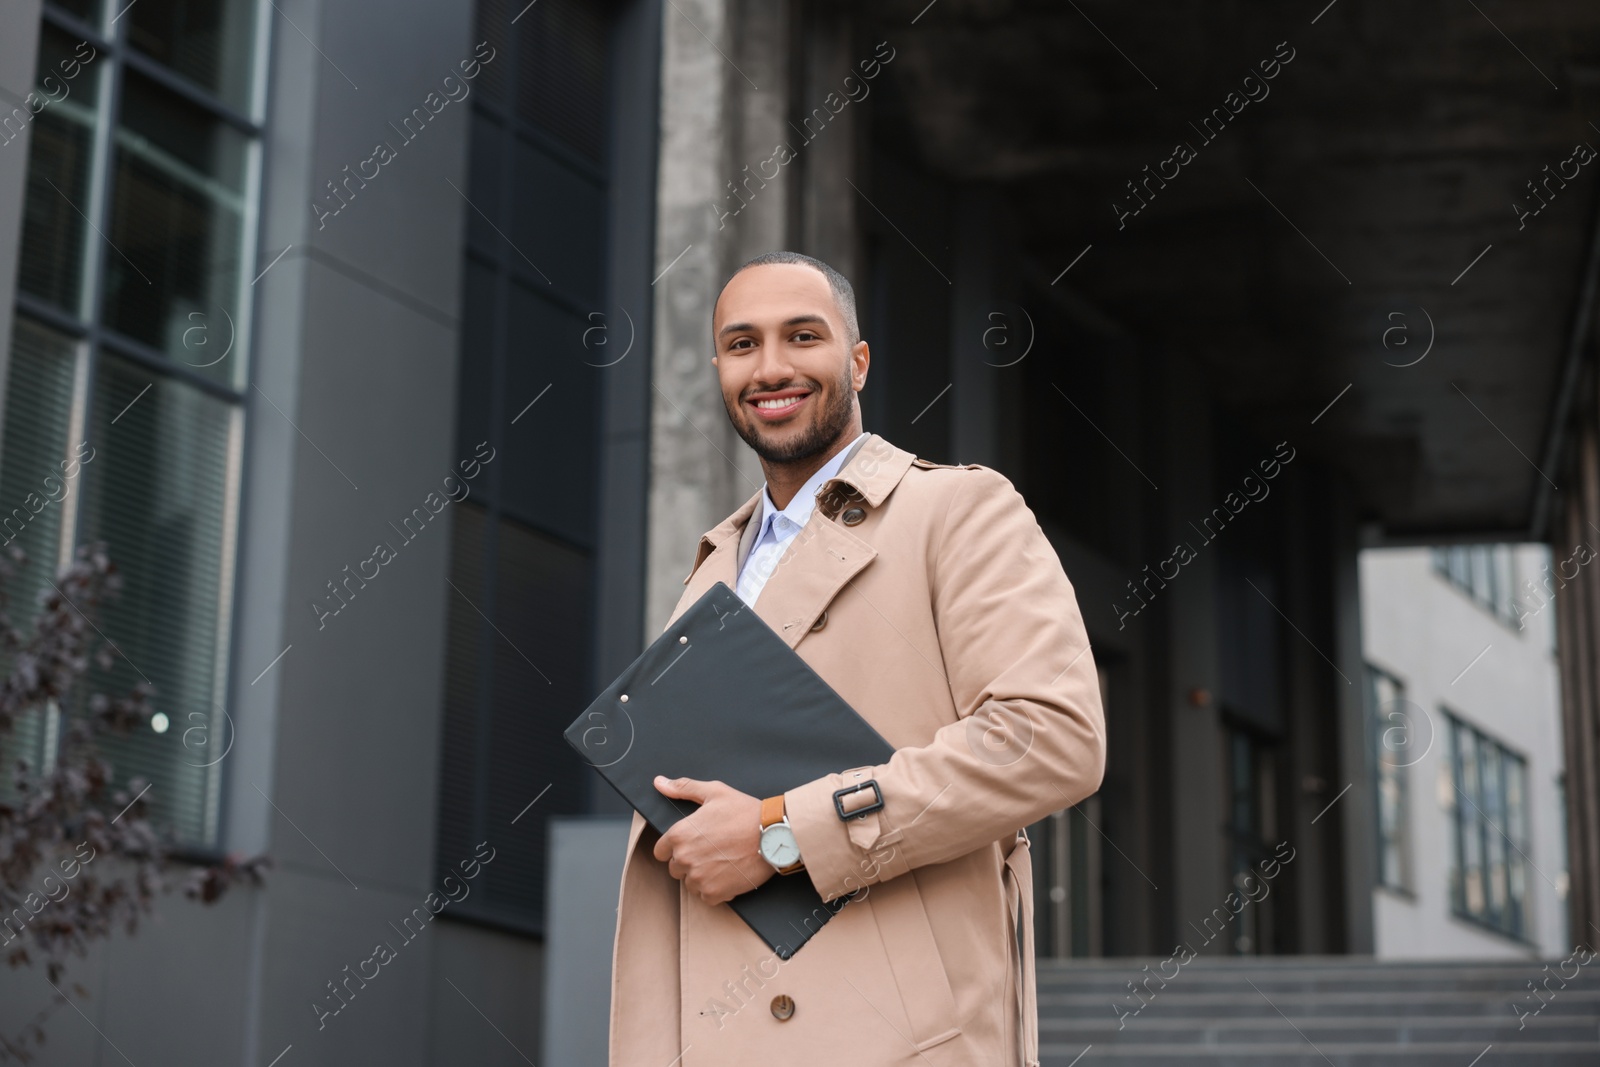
(778, 846)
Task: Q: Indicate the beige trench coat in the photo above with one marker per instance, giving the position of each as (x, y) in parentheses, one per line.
(930, 599)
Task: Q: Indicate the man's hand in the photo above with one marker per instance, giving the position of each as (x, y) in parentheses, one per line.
(714, 851)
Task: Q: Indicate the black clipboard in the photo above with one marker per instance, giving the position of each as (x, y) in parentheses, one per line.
(720, 696)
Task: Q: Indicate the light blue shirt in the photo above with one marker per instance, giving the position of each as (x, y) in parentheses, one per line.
(778, 528)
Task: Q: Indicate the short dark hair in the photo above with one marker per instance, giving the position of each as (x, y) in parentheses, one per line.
(843, 294)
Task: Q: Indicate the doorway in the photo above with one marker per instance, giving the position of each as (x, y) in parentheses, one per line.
(1251, 827)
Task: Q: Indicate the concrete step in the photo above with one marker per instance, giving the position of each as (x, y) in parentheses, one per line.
(1319, 1011)
(1185, 1003)
(1324, 1029)
(1516, 974)
(1265, 964)
(1443, 1054)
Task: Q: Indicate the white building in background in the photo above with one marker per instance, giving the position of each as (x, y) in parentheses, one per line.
(1464, 699)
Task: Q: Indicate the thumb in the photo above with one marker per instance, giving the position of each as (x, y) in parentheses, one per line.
(682, 788)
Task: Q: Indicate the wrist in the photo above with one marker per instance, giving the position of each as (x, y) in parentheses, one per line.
(777, 843)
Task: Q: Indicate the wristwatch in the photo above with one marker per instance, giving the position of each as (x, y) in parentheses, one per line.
(778, 844)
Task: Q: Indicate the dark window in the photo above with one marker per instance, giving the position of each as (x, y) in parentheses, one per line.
(1393, 741)
(521, 644)
(1251, 792)
(1488, 863)
(127, 358)
(1486, 573)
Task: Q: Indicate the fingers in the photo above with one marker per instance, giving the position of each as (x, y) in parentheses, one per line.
(683, 872)
(694, 879)
(666, 853)
(686, 788)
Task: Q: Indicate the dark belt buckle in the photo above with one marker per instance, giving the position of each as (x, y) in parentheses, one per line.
(840, 794)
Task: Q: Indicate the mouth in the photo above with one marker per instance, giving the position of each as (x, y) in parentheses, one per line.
(771, 407)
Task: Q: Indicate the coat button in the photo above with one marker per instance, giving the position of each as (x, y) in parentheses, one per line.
(854, 515)
(822, 620)
(782, 1007)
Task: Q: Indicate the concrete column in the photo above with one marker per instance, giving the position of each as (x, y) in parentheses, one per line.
(724, 79)
(828, 205)
(1357, 819)
(1578, 605)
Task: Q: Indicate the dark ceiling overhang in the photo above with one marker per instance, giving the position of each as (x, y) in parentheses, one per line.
(1342, 248)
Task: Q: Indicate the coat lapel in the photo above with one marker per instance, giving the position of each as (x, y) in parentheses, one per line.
(818, 563)
(823, 557)
(714, 560)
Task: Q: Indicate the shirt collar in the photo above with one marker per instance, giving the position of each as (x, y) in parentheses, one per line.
(805, 500)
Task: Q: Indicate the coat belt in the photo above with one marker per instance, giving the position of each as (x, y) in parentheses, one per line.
(1018, 877)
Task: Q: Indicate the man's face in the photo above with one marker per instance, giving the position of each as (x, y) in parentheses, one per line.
(789, 374)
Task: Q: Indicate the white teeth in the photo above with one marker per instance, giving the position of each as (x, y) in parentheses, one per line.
(783, 403)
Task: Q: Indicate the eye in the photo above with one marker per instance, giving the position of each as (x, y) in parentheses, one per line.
(740, 342)
(807, 335)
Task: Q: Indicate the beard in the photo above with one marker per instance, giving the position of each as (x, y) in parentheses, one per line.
(826, 427)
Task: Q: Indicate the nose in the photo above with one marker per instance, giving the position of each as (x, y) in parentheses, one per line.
(773, 369)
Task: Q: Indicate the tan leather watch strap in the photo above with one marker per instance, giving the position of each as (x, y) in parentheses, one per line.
(771, 811)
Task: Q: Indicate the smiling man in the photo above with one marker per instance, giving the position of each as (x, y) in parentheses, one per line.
(928, 597)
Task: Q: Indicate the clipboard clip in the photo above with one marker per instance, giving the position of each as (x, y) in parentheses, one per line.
(850, 790)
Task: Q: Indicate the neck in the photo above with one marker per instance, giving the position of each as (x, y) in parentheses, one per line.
(785, 479)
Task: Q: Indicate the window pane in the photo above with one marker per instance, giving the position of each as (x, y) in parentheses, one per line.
(160, 494)
(561, 68)
(1479, 557)
(542, 607)
(488, 142)
(546, 349)
(206, 41)
(569, 244)
(1389, 827)
(536, 670)
(1493, 815)
(177, 208)
(1475, 900)
(1392, 729)
(1448, 786)
(54, 225)
(1240, 792)
(1517, 827)
(1488, 873)
(34, 492)
(1267, 794)
(475, 390)
(494, 24)
(1505, 582)
(35, 496)
(87, 10)
(1516, 810)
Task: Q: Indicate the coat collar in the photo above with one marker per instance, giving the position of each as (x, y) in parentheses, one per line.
(872, 469)
(826, 554)
(751, 531)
